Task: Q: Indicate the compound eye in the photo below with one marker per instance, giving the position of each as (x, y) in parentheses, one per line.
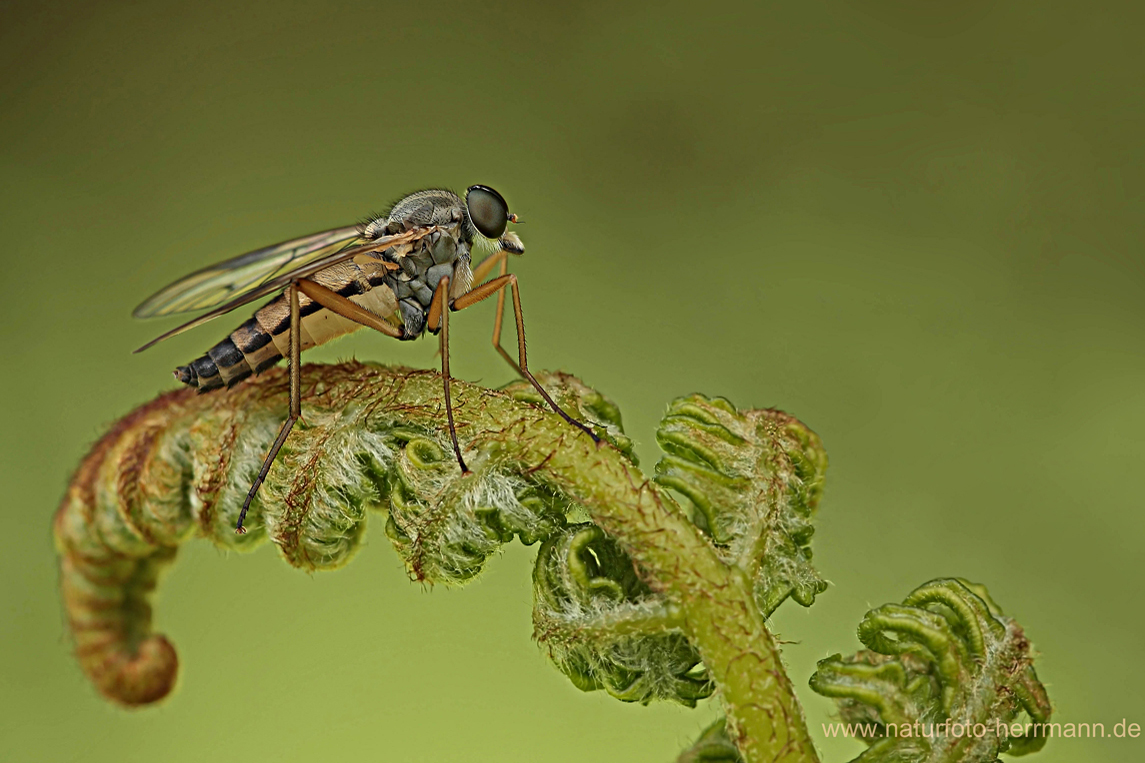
(487, 210)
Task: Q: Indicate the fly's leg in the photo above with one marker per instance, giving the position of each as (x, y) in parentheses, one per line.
(335, 303)
(438, 314)
(498, 320)
(486, 290)
(500, 258)
(497, 258)
(295, 402)
(352, 311)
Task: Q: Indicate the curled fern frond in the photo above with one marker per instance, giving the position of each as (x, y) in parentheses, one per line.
(945, 675)
(180, 466)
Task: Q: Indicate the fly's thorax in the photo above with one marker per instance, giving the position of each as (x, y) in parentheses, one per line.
(434, 206)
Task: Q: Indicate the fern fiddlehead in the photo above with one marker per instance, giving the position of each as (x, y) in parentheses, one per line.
(944, 675)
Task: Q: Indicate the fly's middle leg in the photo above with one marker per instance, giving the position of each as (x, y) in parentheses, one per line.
(439, 314)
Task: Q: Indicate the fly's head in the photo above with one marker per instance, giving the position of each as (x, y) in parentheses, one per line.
(483, 215)
(488, 214)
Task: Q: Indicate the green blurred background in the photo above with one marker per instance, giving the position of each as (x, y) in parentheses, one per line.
(917, 226)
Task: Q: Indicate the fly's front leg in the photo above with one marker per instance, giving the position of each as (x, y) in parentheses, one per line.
(501, 258)
(497, 285)
(439, 313)
(499, 320)
(295, 402)
(497, 258)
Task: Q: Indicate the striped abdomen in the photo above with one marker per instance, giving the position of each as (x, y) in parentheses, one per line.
(264, 340)
(249, 349)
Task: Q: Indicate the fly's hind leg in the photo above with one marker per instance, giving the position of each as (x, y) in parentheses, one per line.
(331, 301)
(295, 403)
(497, 286)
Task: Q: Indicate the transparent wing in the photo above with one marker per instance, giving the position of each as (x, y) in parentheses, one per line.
(229, 279)
(321, 259)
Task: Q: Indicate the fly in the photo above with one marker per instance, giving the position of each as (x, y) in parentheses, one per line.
(400, 274)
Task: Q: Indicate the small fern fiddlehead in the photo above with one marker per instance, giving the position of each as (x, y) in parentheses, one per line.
(944, 676)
